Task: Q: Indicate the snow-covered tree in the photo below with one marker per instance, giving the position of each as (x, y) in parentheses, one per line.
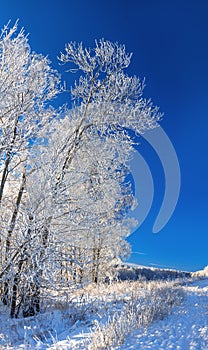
(27, 84)
(89, 209)
(83, 198)
(107, 103)
(63, 193)
(91, 159)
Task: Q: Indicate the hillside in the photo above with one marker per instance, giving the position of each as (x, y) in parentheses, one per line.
(135, 272)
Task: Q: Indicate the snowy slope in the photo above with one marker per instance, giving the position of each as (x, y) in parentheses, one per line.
(186, 329)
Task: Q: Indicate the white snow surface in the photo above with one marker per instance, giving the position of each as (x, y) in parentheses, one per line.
(185, 329)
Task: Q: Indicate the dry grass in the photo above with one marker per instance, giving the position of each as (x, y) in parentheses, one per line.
(143, 305)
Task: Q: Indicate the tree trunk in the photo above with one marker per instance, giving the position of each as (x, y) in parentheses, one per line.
(9, 234)
(31, 303)
(15, 289)
(8, 159)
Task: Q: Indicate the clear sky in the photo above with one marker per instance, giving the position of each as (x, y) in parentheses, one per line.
(169, 41)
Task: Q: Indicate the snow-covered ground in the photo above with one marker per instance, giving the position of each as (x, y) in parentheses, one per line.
(185, 329)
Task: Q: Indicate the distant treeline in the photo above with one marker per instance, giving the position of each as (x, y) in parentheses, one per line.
(124, 272)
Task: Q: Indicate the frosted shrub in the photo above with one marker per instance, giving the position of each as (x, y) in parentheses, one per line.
(140, 310)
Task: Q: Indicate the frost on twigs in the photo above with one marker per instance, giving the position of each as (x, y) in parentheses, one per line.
(113, 98)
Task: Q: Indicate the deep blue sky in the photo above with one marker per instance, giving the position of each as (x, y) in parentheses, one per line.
(169, 40)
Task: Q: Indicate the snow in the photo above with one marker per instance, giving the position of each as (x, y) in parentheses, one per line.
(185, 329)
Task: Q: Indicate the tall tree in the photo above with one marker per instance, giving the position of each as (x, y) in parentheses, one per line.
(69, 198)
(27, 84)
(90, 159)
(107, 103)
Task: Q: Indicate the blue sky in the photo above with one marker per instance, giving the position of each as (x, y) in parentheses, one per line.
(169, 41)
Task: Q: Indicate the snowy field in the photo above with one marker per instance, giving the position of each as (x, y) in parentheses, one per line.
(185, 329)
(128, 315)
